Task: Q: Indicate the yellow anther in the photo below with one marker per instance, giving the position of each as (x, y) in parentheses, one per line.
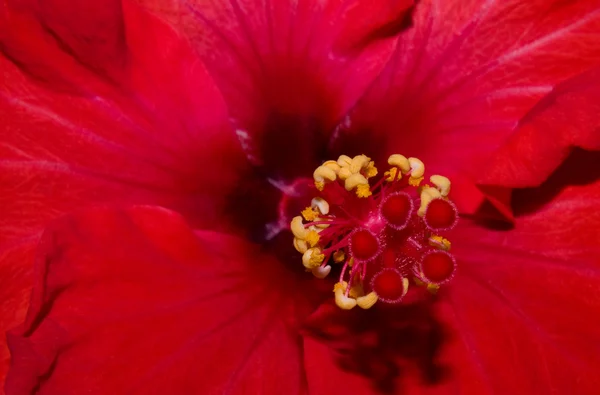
(392, 174)
(300, 245)
(427, 195)
(344, 173)
(320, 204)
(433, 192)
(344, 160)
(339, 256)
(399, 161)
(355, 180)
(312, 258)
(367, 301)
(363, 191)
(323, 174)
(441, 183)
(439, 242)
(320, 227)
(309, 214)
(344, 302)
(333, 165)
(371, 170)
(356, 291)
(341, 300)
(351, 262)
(415, 182)
(316, 228)
(405, 285)
(417, 168)
(297, 228)
(359, 162)
(341, 286)
(312, 237)
(433, 288)
(321, 271)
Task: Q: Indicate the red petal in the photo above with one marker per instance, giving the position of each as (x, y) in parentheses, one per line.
(387, 349)
(325, 375)
(290, 70)
(93, 32)
(461, 80)
(71, 137)
(134, 301)
(365, 22)
(522, 299)
(154, 138)
(566, 118)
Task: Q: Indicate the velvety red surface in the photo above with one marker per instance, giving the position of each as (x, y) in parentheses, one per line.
(213, 110)
(163, 309)
(73, 136)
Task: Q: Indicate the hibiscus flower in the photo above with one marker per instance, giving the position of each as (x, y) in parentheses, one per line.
(186, 279)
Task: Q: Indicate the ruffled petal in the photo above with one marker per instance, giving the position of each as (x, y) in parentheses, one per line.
(94, 33)
(462, 79)
(522, 299)
(289, 70)
(134, 301)
(565, 118)
(145, 126)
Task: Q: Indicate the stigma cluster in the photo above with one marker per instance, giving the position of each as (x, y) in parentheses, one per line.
(384, 233)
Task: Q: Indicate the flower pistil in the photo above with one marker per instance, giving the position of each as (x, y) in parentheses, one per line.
(381, 235)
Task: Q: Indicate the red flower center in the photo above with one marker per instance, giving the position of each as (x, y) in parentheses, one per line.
(382, 235)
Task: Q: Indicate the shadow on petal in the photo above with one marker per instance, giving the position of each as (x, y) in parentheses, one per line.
(383, 344)
(579, 169)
